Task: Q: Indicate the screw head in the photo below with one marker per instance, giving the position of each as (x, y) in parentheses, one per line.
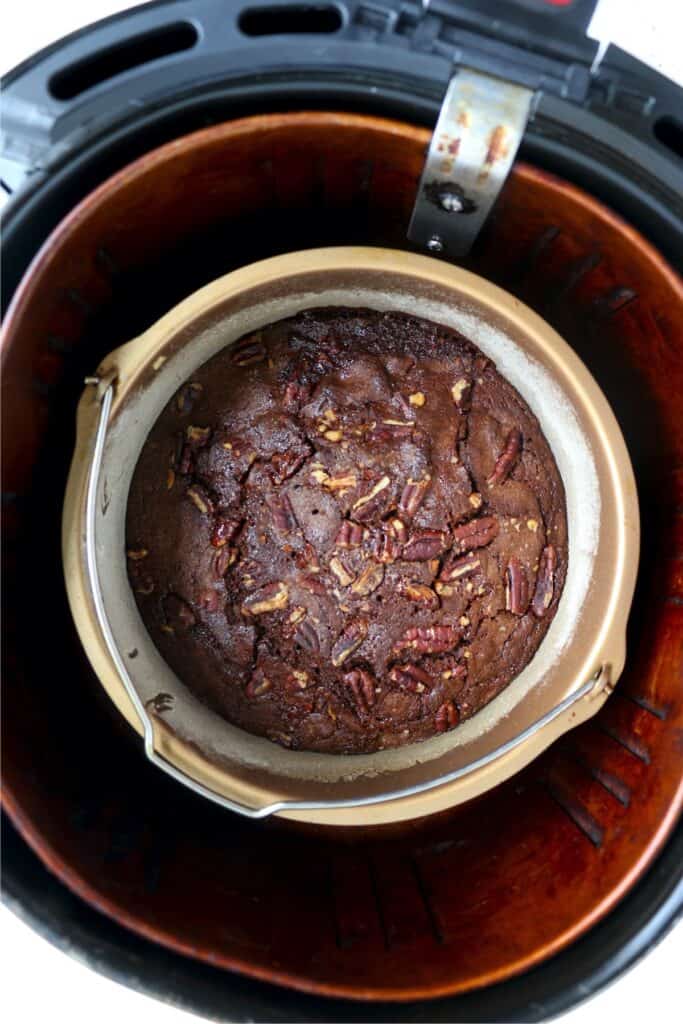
(435, 244)
(451, 202)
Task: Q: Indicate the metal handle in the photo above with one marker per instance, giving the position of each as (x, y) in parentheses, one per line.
(478, 132)
(106, 395)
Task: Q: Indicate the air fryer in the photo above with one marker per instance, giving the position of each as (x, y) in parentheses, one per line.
(287, 127)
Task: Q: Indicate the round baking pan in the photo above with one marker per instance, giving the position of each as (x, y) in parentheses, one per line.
(457, 901)
(570, 676)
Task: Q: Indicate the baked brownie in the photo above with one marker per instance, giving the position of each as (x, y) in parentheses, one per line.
(347, 531)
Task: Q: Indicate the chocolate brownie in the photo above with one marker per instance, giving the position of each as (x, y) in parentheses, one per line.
(347, 532)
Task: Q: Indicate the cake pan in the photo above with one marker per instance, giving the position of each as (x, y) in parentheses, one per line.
(571, 674)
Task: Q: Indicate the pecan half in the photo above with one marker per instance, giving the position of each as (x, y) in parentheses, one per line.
(475, 534)
(420, 593)
(349, 641)
(307, 558)
(350, 535)
(200, 499)
(447, 716)
(516, 588)
(307, 637)
(270, 598)
(223, 531)
(283, 513)
(410, 677)
(412, 495)
(545, 582)
(425, 545)
(248, 350)
(458, 566)
(370, 503)
(362, 686)
(429, 639)
(368, 581)
(341, 572)
(507, 458)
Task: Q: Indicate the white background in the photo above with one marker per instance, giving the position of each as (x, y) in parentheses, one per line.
(39, 983)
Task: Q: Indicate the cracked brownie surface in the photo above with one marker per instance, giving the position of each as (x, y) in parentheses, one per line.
(347, 532)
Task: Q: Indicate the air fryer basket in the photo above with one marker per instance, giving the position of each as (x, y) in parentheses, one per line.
(433, 908)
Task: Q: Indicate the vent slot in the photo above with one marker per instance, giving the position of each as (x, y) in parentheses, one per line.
(669, 132)
(297, 19)
(142, 49)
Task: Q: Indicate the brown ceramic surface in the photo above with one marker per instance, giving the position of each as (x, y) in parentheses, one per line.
(435, 907)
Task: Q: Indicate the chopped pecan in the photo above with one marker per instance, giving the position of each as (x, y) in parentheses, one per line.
(270, 598)
(297, 680)
(362, 686)
(283, 513)
(248, 350)
(410, 677)
(285, 464)
(429, 639)
(424, 545)
(462, 393)
(200, 499)
(187, 396)
(458, 566)
(341, 484)
(475, 534)
(349, 641)
(516, 587)
(257, 685)
(341, 572)
(296, 394)
(370, 503)
(368, 581)
(447, 716)
(507, 458)
(136, 555)
(144, 586)
(223, 531)
(388, 544)
(350, 535)
(545, 582)
(420, 593)
(412, 495)
(225, 557)
(197, 437)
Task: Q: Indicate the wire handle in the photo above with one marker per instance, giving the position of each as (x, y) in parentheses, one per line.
(105, 388)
